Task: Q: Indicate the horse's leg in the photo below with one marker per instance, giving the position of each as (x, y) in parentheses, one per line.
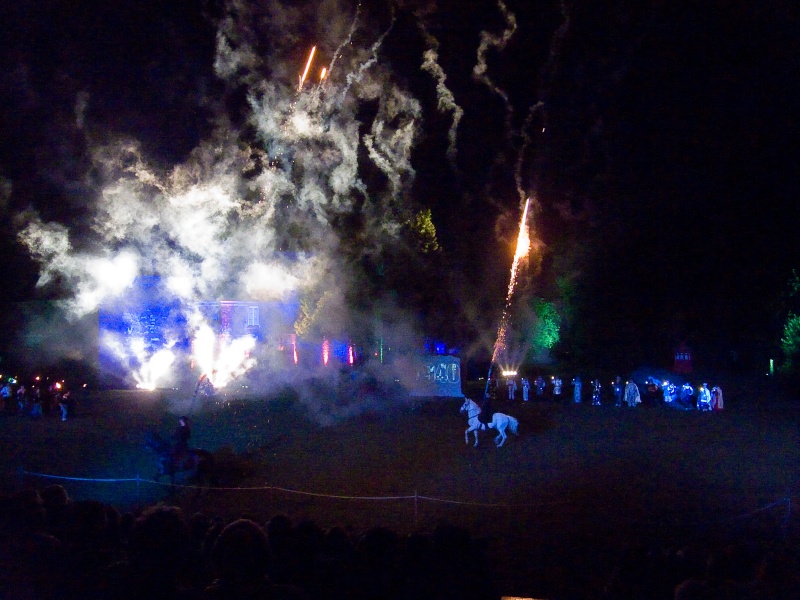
(475, 445)
(466, 435)
(501, 436)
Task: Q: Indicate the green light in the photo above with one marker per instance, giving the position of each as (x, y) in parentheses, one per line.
(547, 330)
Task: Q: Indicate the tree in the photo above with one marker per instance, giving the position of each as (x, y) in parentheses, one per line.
(546, 331)
(790, 341)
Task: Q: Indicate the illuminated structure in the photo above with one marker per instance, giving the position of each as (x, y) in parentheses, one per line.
(149, 338)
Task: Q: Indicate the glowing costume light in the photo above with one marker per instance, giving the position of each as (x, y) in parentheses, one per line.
(596, 387)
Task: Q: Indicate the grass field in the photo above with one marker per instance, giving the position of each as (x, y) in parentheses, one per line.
(577, 484)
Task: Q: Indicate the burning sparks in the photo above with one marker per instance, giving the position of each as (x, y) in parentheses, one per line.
(308, 66)
(523, 247)
(220, 359)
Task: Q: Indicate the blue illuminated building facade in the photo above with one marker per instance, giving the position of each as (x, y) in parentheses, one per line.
(151, 318)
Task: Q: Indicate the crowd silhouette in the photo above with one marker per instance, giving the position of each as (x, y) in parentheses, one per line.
(53, 547)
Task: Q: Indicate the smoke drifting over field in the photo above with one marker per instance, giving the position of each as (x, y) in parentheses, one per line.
(305, 173)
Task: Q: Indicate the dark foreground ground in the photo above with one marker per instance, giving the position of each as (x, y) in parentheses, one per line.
(556, 506)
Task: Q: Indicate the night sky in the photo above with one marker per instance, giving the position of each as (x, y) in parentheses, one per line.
(659, 139)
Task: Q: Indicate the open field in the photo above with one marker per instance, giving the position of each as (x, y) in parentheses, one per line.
(556, 502)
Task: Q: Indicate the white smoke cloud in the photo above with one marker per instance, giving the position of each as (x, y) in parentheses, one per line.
(446, 99)
(498, 42)
(218, 224)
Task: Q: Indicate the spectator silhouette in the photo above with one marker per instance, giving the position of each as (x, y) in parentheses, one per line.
(239, 559)
(157, 553)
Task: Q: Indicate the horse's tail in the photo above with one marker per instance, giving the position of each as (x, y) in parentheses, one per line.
(513, 424)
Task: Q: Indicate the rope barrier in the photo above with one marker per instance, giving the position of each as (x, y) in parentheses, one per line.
(786, 501)
(414, 497)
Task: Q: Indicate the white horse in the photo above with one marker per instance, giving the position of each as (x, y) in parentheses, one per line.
(500, 422)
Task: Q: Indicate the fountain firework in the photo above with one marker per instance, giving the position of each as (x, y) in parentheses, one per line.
(523, 247)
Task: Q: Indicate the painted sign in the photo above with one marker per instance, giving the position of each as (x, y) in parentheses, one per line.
(437, 376)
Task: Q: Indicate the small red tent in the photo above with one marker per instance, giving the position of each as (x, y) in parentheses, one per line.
(683, 360)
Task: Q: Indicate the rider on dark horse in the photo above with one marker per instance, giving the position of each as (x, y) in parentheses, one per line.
(485, 416)
(182, 434)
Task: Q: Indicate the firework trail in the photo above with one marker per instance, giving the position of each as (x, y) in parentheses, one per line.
(491, 40)
(526, 141)
(523, 247)
(445, 98)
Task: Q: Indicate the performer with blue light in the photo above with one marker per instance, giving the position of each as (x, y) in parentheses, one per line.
(512, 388)
(557, 385)
(617, 387)
(576, 392)
(704, 398)
(526, 388)
(685, 397)
(539, 384)
(670, 392)
(596, 392)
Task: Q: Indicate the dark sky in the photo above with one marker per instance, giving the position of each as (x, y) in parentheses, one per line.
(663, 157)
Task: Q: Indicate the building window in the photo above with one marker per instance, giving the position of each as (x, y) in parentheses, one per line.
(252, 316)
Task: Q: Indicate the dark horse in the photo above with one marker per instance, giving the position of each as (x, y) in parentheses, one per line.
(194, 464)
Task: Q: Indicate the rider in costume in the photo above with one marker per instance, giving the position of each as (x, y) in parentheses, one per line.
(182, 434)
(485, 416)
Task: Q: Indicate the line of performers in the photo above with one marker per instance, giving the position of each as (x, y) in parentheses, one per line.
(683, 396)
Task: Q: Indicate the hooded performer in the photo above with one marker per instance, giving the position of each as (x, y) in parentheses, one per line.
(632, 397)
(716, 398)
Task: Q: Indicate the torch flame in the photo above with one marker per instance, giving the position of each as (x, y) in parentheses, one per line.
(308, 66)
